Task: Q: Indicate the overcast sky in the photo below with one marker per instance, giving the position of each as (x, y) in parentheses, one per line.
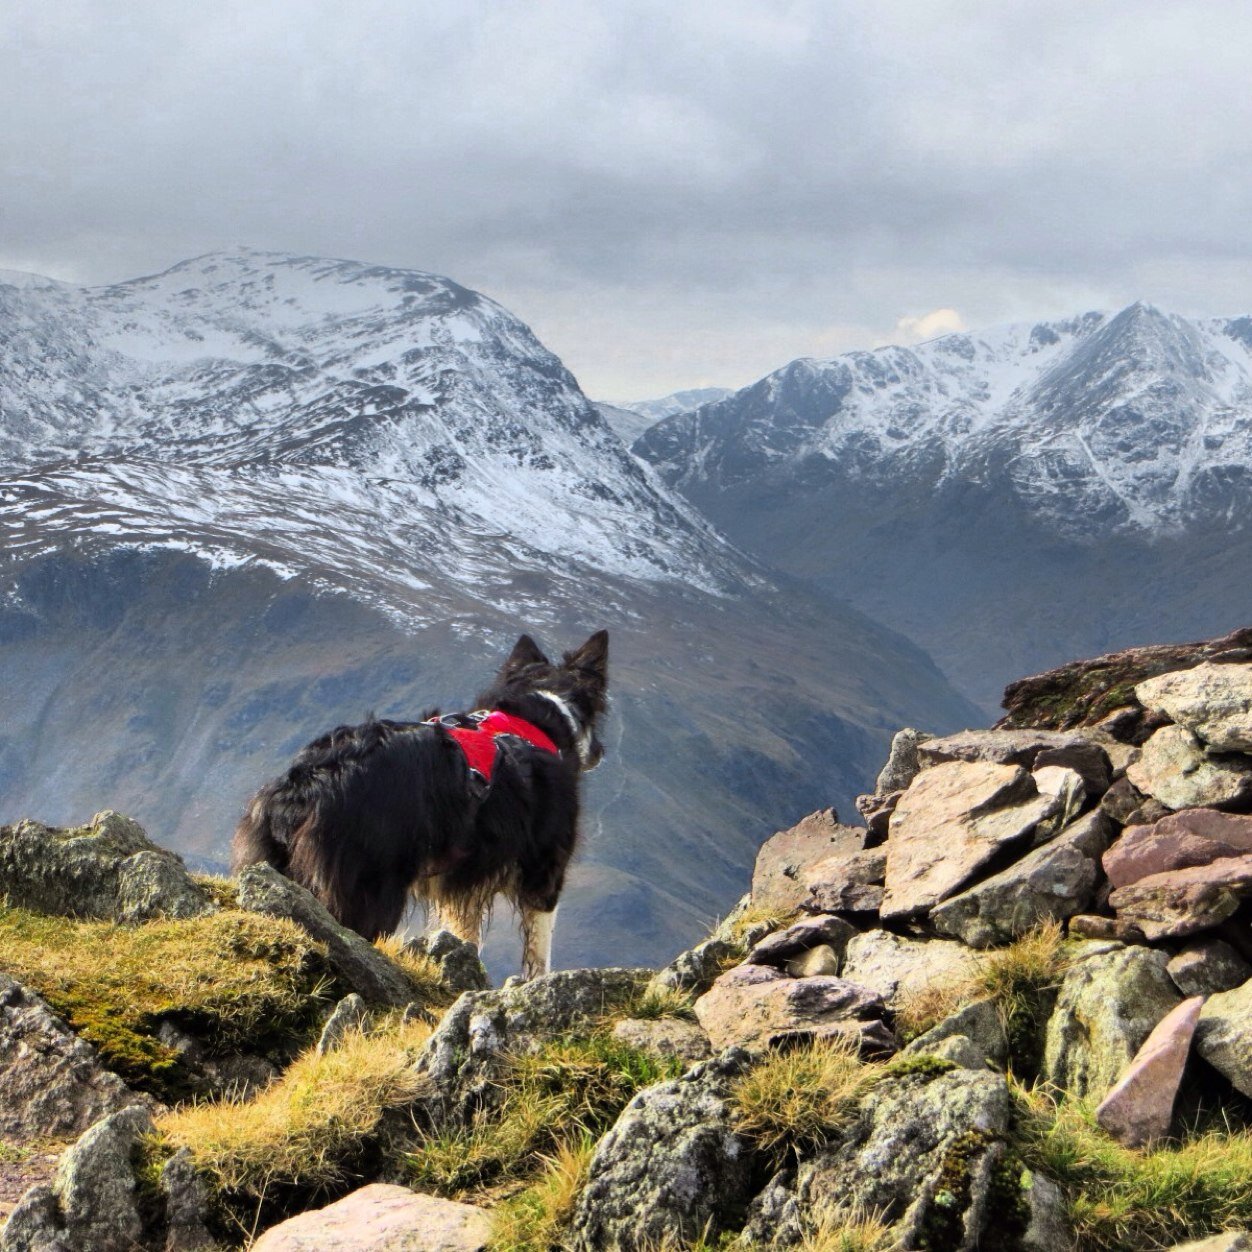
(672, 194)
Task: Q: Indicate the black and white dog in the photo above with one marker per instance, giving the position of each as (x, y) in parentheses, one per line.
(453, 809)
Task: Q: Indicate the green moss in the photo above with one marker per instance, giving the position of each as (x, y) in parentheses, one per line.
(12, 1153)
(234, 980)
(943, 1227)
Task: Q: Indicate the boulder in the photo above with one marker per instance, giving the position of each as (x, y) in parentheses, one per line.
(1030, 749)
(665, 1036)
(1174, 769)
(108, 869)
(928, 1152)
(1052, 883)
(846, 883)
(1224, 1035)
(695, 971)
(1183, 902)
(469, 1051)
(52, 1083)
(96, 1204)
(822, 959)
(672, 1166)
(1109, 1002)
(382, 1218)
(779, 879)
(1176, 841)
(895, 967)
(979, 1024)
(460, 966)
(757, 1006)
(903, 763)
(955, 819)
(1207, 966)
(811, 932)
(876, 811)
(1140, 1108)
(1214, 702)
(1122, 800)
(357, 962)
(1066, 786)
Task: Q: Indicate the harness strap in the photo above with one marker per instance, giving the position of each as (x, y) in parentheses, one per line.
(478, 739)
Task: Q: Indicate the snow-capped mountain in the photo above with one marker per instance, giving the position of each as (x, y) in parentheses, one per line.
(938, 486)
(259, 494)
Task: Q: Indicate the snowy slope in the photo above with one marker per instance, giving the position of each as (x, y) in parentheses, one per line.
(1140, 420)
(320, 416)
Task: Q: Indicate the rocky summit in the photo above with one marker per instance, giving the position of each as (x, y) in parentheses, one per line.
(1010, 1011)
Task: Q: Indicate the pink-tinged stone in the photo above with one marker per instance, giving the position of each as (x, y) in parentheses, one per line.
(757, 1006)
(1183, 902)
(1140, 1106)
(1190, 837)
(953, 820)
(780, 877)
(846, 884)
(382, 1218)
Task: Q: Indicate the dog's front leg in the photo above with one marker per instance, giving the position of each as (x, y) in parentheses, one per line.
(537, 928)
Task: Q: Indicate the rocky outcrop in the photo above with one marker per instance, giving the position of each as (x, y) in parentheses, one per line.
(1214, 702)
(108, 869)
(780, 880)
(1175, 769)
(460, 967)
(382, 1218)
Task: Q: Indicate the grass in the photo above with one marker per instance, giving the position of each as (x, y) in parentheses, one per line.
(840, 1229)
(236, 980)
(1127, 1200)
(655, 1003)
(421, 971)
(738, 926)
(534, 1220)
(552, 1099)
(1019, 978)
(306, 1130)
(13, 1153)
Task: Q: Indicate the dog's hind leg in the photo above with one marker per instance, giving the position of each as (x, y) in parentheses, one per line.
(465, 918)
(537, 928)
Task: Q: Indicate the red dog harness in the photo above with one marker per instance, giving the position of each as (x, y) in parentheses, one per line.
(476, 733)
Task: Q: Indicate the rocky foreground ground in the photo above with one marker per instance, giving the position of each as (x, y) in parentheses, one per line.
(1012, 1010)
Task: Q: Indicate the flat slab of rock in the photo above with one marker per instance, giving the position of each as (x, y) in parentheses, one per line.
(1214, 702)
(108, 869)
(1109, 1002)
(1140, 1108)
(1224, 1035)
(382, 1218)
(808, 933)
(780, 876)
(1184, 902)
(1174, 769)
(262, 889)
(1052, 883)
(895, 967)
(846, 883)
(1179, 840)
(1030, 749)
(953, 820)
(665, 1036)
(52, 1083)
(757, 1006)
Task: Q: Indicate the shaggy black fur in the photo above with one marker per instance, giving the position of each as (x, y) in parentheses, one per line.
(368, 815)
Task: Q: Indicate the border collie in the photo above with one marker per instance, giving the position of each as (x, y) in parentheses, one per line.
(452, 810)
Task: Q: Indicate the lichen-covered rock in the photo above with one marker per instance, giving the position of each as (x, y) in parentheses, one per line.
(757, 1006)
(52, 1083)
(1214, 702)
(382, 1217)
(665, 1036)
(1110, 1000)
(903, 763)
(1182, 902)
(1052, 883)
(1227, 1241)
(896, 967)
(1223, 1035)
(95, 1203)
(929, 1151)
(780, 876)
(1207, 966)
(979, 1024)
(460, 966)
(672, 1166)
(108, 869)
(1174, 768)
(262, 889)
(953, 820)
(469, 1050)
(695, 970)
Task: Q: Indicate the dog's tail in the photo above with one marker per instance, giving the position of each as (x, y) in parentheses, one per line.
(259, 837)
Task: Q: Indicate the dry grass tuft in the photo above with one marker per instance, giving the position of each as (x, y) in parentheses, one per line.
(533, 1220)
(794, 1098)
(421, 971)
(1123, 1200)
(305, 1129)
(852, 1229)
(654, 1003)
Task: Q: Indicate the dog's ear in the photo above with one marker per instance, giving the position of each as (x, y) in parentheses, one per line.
(593, 656)
(525, 652)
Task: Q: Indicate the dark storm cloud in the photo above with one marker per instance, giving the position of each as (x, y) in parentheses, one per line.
(671, 193)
